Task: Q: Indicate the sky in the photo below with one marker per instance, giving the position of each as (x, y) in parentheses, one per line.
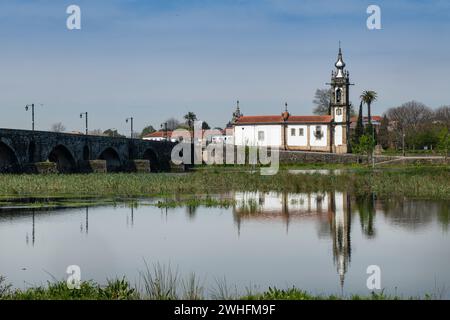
(156, 59)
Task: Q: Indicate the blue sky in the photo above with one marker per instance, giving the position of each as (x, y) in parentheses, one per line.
(157, 59)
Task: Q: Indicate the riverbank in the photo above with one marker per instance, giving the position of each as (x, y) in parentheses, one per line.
(420, 182)
(121, 289)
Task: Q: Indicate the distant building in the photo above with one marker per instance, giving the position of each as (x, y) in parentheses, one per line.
(160, 136)
(376, 122)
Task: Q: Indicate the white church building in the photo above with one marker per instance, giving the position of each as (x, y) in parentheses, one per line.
(327, 133)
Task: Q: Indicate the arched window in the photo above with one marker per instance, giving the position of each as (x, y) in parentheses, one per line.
(338, 96)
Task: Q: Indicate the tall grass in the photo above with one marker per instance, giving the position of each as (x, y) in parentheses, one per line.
(161, 282)
(412, 182)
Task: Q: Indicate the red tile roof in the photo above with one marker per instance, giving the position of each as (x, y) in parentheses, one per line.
(159, 134)
(365, 119)
(279, 119)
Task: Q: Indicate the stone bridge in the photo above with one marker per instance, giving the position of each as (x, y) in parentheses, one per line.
(31, 151)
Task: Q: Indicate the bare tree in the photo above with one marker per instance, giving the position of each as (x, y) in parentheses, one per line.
(322, 99)
(410, 115)
(172, 124)
(408, 119)
(58, 127)
(442, 116)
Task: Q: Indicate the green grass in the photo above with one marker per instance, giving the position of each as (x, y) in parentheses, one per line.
(162, 284)
(207, 202)
(424, 182)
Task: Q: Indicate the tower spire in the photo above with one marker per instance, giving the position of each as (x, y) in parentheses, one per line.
(237, 114)
(340, 64)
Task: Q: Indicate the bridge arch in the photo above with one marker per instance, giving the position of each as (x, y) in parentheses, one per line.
(63, 158)
(152, 156)
(86, 153)
(8, 159)
(32, 152)
(112, 158)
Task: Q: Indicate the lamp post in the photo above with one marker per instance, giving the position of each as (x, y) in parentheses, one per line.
(130, 119)
(403, 144)
(164, 128)
(85, 114)
(27, 107)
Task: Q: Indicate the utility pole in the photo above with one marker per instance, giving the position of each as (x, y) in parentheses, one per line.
(131, 120)
(85, 114)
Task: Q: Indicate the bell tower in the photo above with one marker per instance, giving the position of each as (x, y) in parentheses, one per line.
(340, 106)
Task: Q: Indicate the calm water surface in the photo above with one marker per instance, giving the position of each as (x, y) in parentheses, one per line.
(320, 242)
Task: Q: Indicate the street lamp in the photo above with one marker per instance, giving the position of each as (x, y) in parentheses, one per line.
(164, 127)
(130, 119)
(27, 107)
(85, 114)
(403, 144)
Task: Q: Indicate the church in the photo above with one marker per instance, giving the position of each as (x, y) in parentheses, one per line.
(326, 133)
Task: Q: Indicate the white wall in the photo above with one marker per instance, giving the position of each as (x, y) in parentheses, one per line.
(338, 136)
(339, 118)
(297, 140)
(248, 135)
(318, 142)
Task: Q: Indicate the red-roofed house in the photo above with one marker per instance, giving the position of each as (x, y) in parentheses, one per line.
(159, 136)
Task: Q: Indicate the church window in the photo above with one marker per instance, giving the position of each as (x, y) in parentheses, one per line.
(292, 132)
(339, 112)
(301, 132)
(318, 133)
(338, 95)
(260, 135)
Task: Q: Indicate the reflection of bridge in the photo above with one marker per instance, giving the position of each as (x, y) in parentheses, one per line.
(22, 150)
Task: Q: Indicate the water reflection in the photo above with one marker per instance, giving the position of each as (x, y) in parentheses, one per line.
(33, 230)
(352, 229)
(331, 209)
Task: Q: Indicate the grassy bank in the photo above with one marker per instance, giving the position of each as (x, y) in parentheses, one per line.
(121, 289)
(424, 182)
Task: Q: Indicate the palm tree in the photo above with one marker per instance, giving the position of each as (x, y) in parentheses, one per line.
(190, 118)
(368, 97)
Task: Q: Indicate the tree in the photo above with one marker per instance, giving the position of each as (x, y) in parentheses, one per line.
(359, 130)
(205, 126)
(383, 135)
(366, 145)
(190, 118)
(444, 142)
(322, 100)
(409, 119)
(368, 97)
(58, 127)
(147, 130)
(113, 133)
(172, 124)
(442, 116)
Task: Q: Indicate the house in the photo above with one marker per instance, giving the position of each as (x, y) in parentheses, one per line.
(327, 133)
(160, 136)
(376, 122)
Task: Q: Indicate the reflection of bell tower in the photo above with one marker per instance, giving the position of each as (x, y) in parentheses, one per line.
(340, 106)
(340, 229)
